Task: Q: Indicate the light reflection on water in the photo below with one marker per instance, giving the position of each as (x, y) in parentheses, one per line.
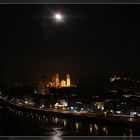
(55, 127)
(105, 130)
(55, 137)
(65, 123)
(56, 120)
(130, 131)
(77, 127)
(91, 129)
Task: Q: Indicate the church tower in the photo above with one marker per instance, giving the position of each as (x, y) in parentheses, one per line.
(68, 80)
(57, 80)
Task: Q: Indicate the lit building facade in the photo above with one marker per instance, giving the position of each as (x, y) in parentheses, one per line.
(63, 83)
(56, 82)
(68, 80)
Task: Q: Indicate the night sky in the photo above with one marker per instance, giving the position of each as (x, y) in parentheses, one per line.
(93, 41)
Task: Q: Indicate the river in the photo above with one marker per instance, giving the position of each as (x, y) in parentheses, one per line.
(18, 123)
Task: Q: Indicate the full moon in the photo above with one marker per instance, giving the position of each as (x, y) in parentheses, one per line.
(58, 17)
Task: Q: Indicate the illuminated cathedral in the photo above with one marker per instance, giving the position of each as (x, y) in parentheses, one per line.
(57, 83)
(43, 85)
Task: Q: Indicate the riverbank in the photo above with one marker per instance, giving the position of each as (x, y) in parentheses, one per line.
(89, 117)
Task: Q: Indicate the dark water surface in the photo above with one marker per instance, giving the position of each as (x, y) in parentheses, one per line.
(17, 123)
